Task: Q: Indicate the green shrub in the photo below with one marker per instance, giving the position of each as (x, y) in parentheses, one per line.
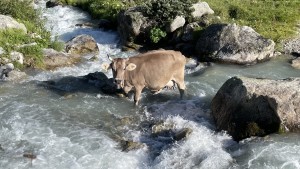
(156, 34)
(164, 11)
(11, 39)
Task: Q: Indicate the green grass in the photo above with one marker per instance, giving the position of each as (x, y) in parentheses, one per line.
(275, 19)
(10, 39)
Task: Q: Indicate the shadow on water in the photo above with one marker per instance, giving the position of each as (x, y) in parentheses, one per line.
(91, 83)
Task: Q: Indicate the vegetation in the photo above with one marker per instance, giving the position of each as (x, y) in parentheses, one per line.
(156, 34)
(105, 9)
(275, 19)
(15, 40)
(164, 11)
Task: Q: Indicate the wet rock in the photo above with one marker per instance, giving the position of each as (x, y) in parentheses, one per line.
(246, 107)
(16, 75)
(5, 70)
(53, 3)
(126, 145)
(7, 22)
(193, 67)
(296, 63)
(82, 44)
(1, 149)
(54, 59)
(87, 25)
(182, 134)
(29, 155)
(168, 130)
(234, 44)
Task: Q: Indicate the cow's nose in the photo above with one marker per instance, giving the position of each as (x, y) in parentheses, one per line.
(118, 81)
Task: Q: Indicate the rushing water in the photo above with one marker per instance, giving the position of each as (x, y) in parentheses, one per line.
(68, 128)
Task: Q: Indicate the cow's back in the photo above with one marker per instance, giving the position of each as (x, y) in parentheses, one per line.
(156, 68)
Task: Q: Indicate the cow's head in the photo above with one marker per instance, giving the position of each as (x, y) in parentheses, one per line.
(119, 66)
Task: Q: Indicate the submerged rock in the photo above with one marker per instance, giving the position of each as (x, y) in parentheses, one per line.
(256, 107)
(126, 145)
(234, 44)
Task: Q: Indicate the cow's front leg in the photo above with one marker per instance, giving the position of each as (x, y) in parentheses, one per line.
(127, 90)
(137, 94)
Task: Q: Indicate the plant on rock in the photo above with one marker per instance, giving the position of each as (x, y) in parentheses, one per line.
(156, 34)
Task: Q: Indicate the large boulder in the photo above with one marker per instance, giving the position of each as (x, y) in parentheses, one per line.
(131, 23)
(82, 44)
(247, 107)
(54, 59)
(7, 22)
(234, 44)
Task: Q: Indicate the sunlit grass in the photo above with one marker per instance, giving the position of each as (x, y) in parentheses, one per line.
(275, 19)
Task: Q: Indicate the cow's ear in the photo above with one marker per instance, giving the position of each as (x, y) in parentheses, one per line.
(130, 66)
(105, 66)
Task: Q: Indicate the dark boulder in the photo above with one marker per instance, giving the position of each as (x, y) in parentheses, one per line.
(246, 107)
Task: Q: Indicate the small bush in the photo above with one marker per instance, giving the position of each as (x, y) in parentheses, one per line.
(164, 11)
(156, 34)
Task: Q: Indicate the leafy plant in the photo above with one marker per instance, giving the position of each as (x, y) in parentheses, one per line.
(156, 34)
(163, 11)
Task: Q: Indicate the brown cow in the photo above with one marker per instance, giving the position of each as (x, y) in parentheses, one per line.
(153, 70)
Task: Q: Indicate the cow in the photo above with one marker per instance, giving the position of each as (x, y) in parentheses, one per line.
(154, 70)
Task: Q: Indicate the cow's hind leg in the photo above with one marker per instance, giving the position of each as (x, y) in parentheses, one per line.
(180, 84)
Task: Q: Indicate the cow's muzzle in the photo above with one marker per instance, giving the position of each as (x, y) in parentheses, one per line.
(119, 83)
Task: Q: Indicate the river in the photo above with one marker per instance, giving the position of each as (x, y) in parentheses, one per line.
(80, 129)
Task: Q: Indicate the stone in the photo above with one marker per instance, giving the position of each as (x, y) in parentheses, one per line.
(231, 43)
(246, 107)
(17, 57)
(200, 9)
(54, 59)
(82, 44)
(178, 22)
(7, 22)
(296, 63)
(131, 23)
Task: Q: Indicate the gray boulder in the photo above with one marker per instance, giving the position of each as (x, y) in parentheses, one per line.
(131, 23)
(7, 22)
(82, 44)
(246, 107)
(234, 44)
(54, 59)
